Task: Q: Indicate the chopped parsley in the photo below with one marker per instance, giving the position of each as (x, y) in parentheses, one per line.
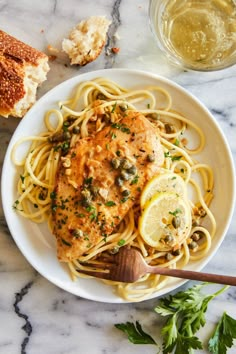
(175, 212)
(121, 127)
(134, 180)
(65, 242)
(114, 107)
(22, 178)
(110, 203)
(121, 242)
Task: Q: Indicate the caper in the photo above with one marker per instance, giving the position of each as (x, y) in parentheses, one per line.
(77, 233)
(195, 236)
(94, 190)
(168, 256)
(195, 222)
(154, 116)
(66, 136)
(119, 181)
(202, 212)
(76, 129)
(125, 193)
(168, 128)
(101, 96)
(176, 252)
(115, 163)
(176, 221)
(193, 245)
(123, 108)
(150, 158)
(61, 136)
(132, 170)
(126, 164)
(168, 238)
(125, 175)
(71, 119)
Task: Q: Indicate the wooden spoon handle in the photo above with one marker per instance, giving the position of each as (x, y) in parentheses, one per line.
(192, 275)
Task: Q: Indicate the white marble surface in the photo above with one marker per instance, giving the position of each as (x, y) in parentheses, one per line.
(35, 316)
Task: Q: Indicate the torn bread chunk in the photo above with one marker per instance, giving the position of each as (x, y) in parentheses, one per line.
(86, 40)
(22, 70)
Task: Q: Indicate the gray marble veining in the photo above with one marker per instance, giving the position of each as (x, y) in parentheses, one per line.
(35, 316)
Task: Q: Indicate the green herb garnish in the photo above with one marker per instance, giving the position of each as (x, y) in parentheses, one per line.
(136, 334)
(223, 336)
(110, 203)
(121, 242)
(185, 315)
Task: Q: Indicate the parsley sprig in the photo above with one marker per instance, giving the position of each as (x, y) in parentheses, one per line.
(223, 336)
(136, 334)
(185, 315)
(185, 312)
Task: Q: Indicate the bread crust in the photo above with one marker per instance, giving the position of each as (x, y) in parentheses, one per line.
(19, 50)
(15, 57)
(11, 84)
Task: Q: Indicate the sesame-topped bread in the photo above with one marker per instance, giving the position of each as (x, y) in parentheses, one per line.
(22, 70)
(86, 40)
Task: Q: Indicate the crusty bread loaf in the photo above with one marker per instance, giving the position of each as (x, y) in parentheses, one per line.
(86, 40)
(22, 69)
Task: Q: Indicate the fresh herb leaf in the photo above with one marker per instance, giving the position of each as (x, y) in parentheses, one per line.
(15, 204)
(134, 180)
(110, 203)
(172, 157)
(175, 212)
(122, 127)
(176, 158)
(121, 242)
(53, 195)
(223, 336)
(113, 136)
(65, 242)
(123, 200)
(114, 107)
(177, 142)
(88, 181)
(185, 315)
(185, 312)
(136, 334)
(22, 178)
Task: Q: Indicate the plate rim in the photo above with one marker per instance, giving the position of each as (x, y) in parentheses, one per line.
(72, 82)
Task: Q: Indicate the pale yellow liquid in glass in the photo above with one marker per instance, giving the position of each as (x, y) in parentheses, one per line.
(201, 32)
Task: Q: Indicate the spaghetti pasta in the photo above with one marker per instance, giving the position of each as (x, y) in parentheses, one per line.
(87, 112)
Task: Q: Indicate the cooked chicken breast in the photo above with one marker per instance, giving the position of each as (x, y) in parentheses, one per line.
(100, 180)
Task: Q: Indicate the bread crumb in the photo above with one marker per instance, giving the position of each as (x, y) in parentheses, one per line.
(115, 50)
(86, 40)
(52, 50)
(52, 57)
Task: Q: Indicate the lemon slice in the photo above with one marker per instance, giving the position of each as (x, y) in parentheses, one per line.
(166, 182)
(165, 221)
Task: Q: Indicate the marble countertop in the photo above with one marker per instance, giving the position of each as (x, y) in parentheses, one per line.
(35, 316)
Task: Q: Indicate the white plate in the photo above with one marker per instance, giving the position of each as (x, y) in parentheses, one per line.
(36, 242)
